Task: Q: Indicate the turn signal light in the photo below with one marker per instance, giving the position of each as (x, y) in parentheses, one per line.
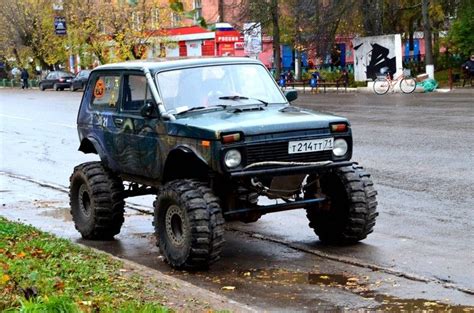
(339, 128)
(231, 138)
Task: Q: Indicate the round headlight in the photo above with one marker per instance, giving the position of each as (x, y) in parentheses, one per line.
(232, 158)
(340, 147)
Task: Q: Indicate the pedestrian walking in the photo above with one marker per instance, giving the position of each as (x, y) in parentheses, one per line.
(468, 70)
(24, 78)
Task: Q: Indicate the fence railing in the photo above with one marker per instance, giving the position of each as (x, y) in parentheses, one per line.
(17, 82)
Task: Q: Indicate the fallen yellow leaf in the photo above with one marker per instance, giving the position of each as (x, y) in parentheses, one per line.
(5, 278)
(324, 277)
(228, 288)
(21, 255)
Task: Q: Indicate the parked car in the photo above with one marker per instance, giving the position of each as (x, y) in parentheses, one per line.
(57, 80)
(80, 81)
(208, 137)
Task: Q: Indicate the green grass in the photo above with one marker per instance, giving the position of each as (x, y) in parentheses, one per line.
(42, 273)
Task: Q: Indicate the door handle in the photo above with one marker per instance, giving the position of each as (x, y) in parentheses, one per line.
(118, 121)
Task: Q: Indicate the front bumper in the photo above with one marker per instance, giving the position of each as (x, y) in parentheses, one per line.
(288, 168)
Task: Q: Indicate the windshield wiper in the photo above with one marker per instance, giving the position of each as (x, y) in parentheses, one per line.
(202, 108)
(235, 98)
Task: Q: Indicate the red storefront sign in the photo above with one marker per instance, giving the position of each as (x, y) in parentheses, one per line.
(226, 42)
(228, 36)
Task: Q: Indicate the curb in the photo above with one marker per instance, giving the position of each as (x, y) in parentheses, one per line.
(181, 290)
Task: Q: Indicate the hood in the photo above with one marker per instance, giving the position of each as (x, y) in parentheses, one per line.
(273, 119)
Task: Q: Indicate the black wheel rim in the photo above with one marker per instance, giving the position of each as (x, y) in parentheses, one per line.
(84, 200)
(176, 228)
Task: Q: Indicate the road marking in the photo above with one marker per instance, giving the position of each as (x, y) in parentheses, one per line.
(16, 117)
(63, 125)
(30, 120)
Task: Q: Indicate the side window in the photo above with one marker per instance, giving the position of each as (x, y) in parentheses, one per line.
(51, 76)
(135, 93)
(106, 91)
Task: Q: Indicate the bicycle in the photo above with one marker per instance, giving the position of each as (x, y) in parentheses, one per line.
(383, 84)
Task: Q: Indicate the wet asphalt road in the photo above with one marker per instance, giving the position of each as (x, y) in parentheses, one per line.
(418, 147)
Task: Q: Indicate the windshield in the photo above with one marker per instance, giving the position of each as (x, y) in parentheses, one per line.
(209, 86)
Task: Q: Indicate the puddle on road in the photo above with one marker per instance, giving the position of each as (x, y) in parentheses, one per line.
(356, 285)
(60, 213)
(53, 209)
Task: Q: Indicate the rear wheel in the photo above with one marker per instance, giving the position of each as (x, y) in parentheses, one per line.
(408, 85)
(188, 224)
(381, 86)
(97, 205)
(349, 212)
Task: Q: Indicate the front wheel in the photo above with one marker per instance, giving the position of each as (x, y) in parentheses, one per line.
(348, 214)
(97, 205)
(381, 86)
(188, 224)
(408, 85)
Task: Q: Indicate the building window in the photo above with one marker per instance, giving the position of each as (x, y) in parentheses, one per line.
(197, 6)
(175, 19)
(136, 20)
(155, 18)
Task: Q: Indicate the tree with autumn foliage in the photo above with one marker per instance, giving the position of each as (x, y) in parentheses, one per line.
(106, 31)
(28, 33)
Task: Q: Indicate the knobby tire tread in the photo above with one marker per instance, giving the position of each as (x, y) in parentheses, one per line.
(107, 215)
(359, 217)
(205, 219)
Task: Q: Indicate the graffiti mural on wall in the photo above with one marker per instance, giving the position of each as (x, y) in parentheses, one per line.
(373, 53)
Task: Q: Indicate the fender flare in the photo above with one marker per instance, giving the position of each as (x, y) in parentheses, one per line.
(96, 148)
(173, 162)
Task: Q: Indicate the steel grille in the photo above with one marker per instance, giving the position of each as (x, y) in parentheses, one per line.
(279, 152)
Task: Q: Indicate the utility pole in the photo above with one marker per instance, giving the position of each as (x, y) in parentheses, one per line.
(427, 35)
(276, 36)
(220, 10)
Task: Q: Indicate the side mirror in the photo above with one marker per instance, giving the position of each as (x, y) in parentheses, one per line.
(149, 110)
(291, 95)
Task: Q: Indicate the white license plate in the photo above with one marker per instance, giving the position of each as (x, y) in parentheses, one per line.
(313, 145)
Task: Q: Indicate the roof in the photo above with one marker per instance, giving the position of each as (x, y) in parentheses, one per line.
(158, 65)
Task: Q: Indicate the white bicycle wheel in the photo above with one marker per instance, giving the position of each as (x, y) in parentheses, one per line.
(408, 85)
(381, 86)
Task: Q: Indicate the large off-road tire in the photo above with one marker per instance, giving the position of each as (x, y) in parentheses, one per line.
(188, 224)
(348, 215)
(96, 199)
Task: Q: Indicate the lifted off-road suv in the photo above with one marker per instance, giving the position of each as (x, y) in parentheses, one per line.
(209, 137)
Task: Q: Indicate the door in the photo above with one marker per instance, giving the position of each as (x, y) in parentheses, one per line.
(138, 143)
(50, 79)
